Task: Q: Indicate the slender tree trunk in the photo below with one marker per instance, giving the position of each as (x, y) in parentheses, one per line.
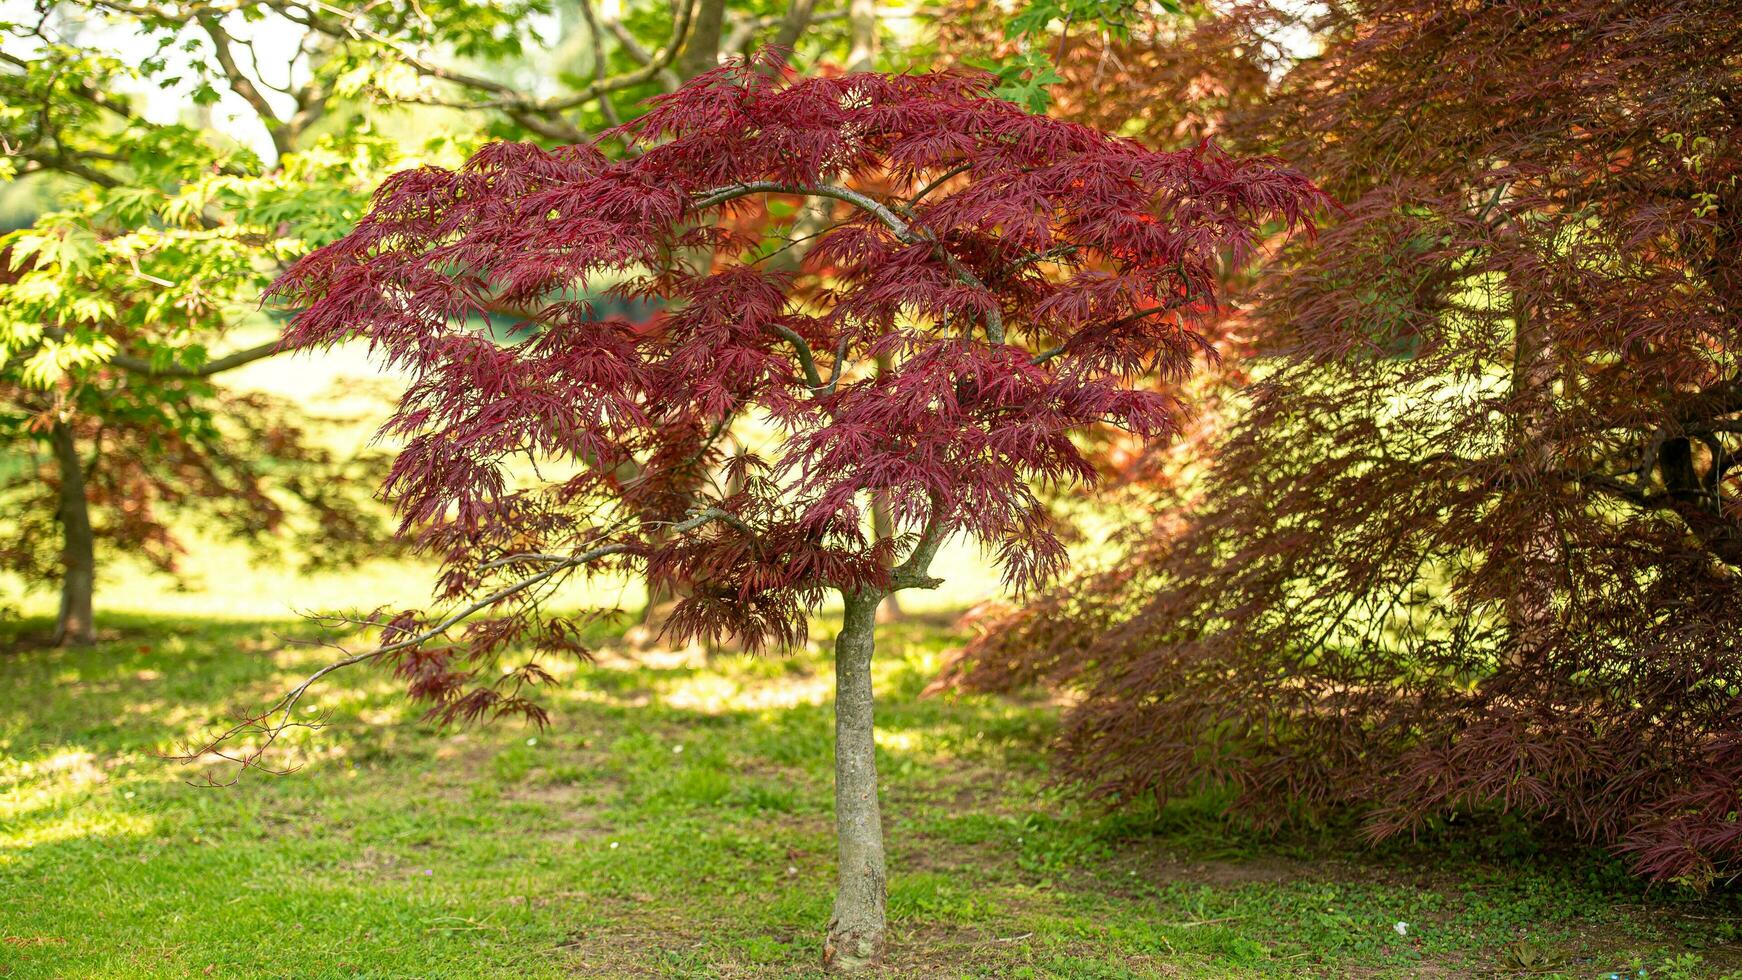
(855, 940)
(883, 526)
(882, 522)
(1530, 608)
(78, 552)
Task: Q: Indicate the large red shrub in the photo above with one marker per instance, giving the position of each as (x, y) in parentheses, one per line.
(1014, 273)
(1476, 540)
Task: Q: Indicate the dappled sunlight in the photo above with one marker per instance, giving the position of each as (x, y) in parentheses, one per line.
(69, 794)
(65, 771)
(717, 694)
(71, 765)
(80, 824)
(899, 741)
(699, 794)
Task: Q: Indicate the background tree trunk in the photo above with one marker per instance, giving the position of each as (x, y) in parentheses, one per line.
(78, 551)
(1530, 609)
(862, 29)
(855, 939)
(702, 53)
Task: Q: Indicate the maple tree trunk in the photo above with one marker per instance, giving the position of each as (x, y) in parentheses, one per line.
(882, 522)
(1530, 610)
(855, 939)
(883, 526)
(75, 625)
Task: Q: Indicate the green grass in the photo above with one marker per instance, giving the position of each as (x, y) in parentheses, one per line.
(674, 821)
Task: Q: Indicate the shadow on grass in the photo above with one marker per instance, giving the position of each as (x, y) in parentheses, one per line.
(675, 821)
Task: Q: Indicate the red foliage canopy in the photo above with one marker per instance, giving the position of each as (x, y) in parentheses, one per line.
(1016, 272)
(1477, 540)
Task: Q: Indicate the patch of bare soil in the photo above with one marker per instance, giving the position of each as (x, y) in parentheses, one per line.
(924, 953)
(939, 952)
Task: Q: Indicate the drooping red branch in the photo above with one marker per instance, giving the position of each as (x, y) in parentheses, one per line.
(1476, 541)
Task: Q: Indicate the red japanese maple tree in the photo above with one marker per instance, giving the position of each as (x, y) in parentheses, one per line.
(1474, 544)
(1016, 273)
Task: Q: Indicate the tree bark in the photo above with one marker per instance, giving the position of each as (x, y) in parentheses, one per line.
(862, 29)
(798, 17)
(882, 527)
(855, 939)
(75, 625)
(882, 522)
(1530, 608)
(702, 53)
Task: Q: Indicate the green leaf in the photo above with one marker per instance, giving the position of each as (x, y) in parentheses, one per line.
(1025, 80)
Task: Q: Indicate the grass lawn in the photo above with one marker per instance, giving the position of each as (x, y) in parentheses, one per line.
(674, 821)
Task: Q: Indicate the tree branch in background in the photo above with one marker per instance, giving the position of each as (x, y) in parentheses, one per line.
(597, 38)
(71, 165)
(243, 86)
(228, 362)
(541, 115)
(668, 79)
(798, 17)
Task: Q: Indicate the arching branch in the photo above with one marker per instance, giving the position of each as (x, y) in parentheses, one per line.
(272, 723)
(903, 230)
(216, 365)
